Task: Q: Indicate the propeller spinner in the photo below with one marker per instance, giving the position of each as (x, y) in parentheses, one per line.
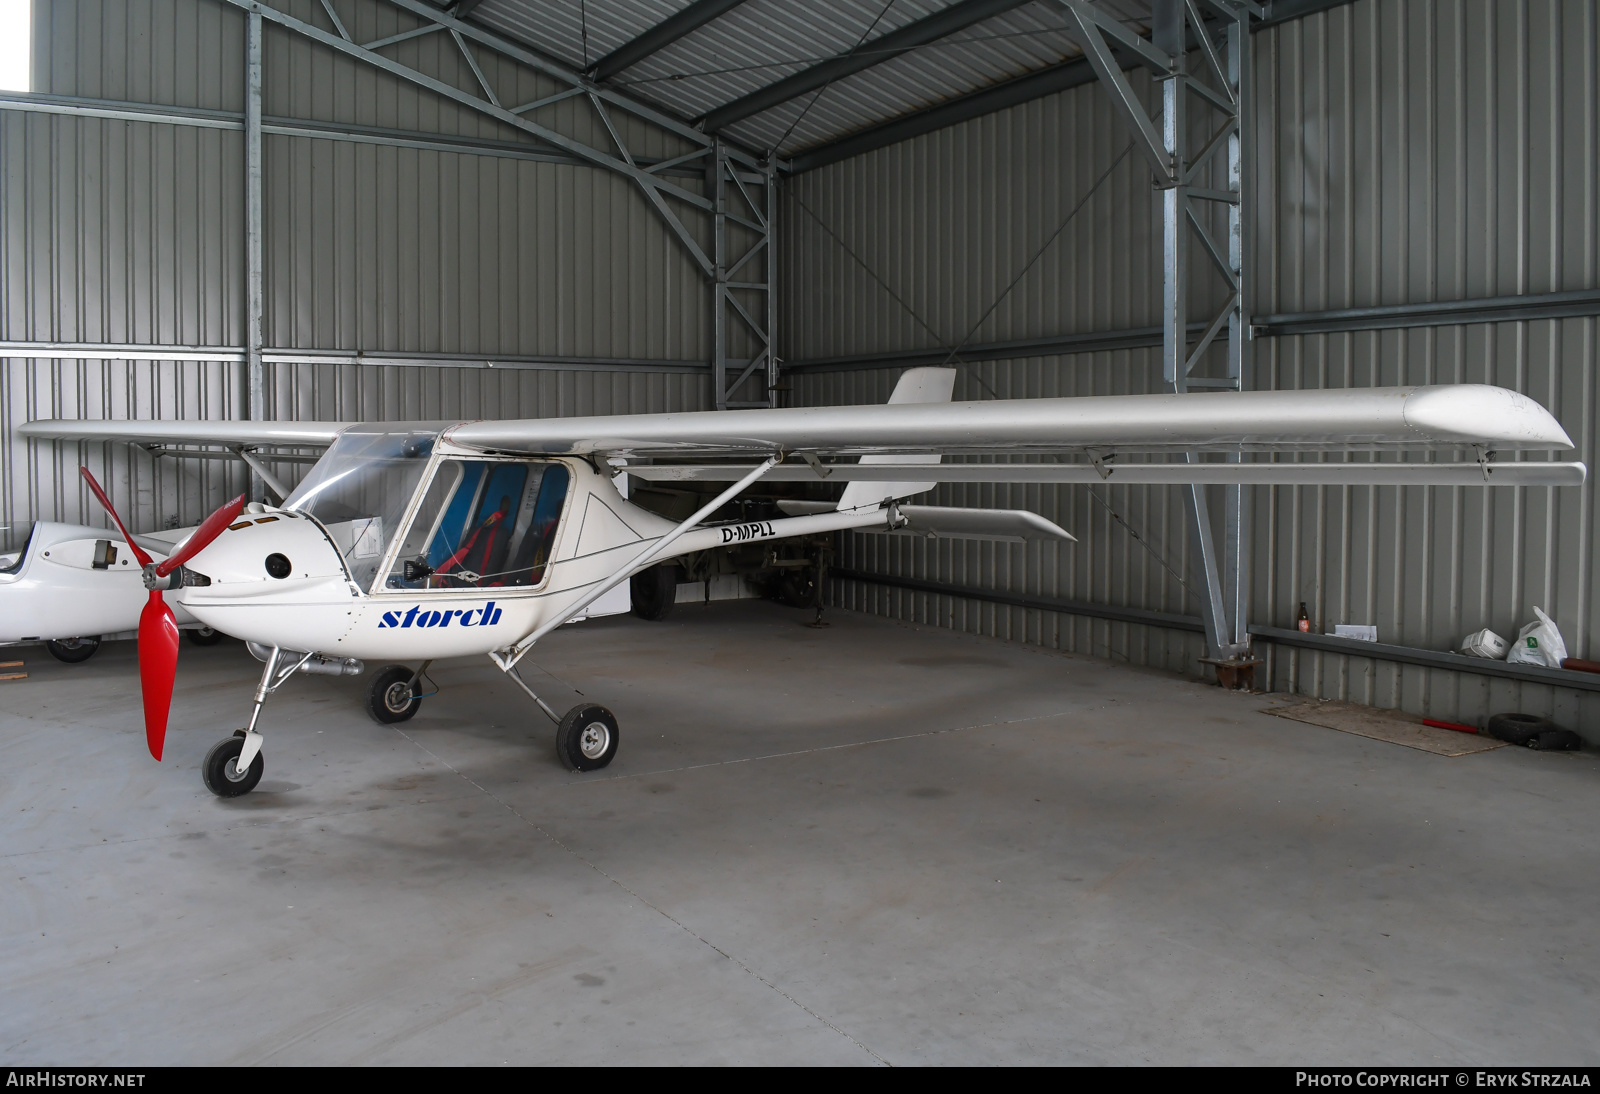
(158, 630)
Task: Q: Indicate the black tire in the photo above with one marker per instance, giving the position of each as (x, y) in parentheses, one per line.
(1556, 740)
(799, 588)
(73, 651)
(204, 636)
(654, 592)
(221, 773)
(587, 738)
(389, 696)
(1518, 729)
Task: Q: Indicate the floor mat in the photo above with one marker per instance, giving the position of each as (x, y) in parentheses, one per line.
(1382, 725)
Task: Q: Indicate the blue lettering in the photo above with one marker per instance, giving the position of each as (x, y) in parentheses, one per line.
(486, 616)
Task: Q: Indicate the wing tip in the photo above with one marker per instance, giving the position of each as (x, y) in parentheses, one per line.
(1484, 414)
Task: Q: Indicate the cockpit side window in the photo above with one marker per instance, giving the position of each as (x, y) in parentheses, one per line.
(533, 549)
(483, 524)
(476, 552)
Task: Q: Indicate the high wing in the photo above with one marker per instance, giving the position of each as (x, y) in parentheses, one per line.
(1472, 419)
(1454, 416)
(249, 441)
(1476, 421)
(225, 433)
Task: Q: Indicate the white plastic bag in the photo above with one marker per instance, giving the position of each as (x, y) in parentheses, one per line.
(1539, 643)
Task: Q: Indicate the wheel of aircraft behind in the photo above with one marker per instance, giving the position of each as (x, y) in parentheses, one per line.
(800, 588)
(203, 636)
(73, 651)
(654, 591)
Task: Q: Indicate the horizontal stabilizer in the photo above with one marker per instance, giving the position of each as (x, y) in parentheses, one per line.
(949, 522)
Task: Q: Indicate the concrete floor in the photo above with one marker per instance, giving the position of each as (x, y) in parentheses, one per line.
(866, 844)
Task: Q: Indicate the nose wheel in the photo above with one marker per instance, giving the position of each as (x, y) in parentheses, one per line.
(224, 773)
(221, 770)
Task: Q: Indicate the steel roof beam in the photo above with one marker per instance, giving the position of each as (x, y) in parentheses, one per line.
(464, 8)
(885, 47)
(1023, 89)
(524, 54)
(654, 188)
(660, 36)
(1035, 85)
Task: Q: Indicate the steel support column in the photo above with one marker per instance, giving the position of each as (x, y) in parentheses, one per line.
(744, 370)
(1208, 62)
(718, 185)
(255, 380)
(1190, 195)
(1236, 518)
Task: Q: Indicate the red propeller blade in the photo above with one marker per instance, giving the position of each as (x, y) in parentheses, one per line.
(138, 553)
(158, 630)
(158, 667)
(213, 527)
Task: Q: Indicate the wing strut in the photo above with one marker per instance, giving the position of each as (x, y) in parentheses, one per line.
(260, 468)
(508, 659)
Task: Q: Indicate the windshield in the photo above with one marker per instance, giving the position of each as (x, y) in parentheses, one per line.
(360, 489)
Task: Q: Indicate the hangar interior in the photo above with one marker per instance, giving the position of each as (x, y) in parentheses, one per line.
(988, 813)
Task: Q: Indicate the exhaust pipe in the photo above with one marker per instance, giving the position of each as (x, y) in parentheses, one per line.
(318, 665)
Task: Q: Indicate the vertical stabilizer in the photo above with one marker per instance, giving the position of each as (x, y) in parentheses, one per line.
(917, 385)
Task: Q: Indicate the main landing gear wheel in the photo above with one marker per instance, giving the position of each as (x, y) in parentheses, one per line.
(800, 588)
(204, 636)
(653, 592)
(221, 768)
(390, 697)
(74, 651)
(587, 738)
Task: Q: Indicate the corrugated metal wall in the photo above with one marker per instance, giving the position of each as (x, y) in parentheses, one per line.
(1407, 150)
(115, 231)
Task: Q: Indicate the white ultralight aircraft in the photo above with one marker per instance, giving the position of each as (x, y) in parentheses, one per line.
(409, 542)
